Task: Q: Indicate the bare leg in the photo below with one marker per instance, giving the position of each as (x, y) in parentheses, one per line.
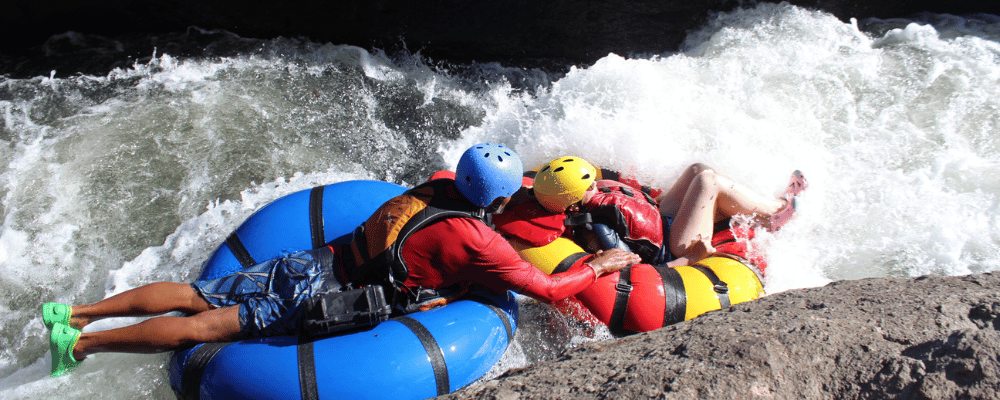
(738, 199)
(670, 201)
(154, 298)
(163, 333)
(710, 198)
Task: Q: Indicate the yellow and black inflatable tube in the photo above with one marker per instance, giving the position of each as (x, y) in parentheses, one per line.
(644, 297)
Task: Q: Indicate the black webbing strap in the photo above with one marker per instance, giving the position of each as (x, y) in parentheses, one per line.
(498, 311)
(239, 251)
(307, 371)
(503, 318)
(434, 353)
(718, 285)
(616, 324)
(316, 217)
(567, 262)
(584, 219)
(674, 296)
(360, 240)
(333, 277)
(195, 368)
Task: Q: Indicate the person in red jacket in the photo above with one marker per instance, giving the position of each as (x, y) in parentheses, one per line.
(452, 248)
(689, 209)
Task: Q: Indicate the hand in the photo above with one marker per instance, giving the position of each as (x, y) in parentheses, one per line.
(612, 260)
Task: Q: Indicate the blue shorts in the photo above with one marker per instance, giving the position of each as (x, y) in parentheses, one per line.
(269, 294)
(665, 255)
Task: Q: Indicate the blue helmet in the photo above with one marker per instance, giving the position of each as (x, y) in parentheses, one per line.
(487, 171)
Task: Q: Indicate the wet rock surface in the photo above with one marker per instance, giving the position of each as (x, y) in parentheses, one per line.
(924, 338)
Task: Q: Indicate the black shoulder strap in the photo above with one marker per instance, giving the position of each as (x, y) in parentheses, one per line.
(423, 218)
(389, 266)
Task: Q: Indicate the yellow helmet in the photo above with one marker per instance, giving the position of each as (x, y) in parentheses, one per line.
(563, 181)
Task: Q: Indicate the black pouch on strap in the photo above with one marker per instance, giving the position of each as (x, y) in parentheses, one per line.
(333, 312)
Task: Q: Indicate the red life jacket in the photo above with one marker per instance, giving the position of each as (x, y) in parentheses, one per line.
(527, 221)
(612, 175)
(631, 213)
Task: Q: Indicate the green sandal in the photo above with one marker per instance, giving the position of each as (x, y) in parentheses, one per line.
(55, 313)
(61, 344)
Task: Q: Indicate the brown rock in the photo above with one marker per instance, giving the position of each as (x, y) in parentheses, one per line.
(924, 338)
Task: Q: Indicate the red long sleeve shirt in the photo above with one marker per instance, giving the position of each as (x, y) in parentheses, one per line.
(465, 251)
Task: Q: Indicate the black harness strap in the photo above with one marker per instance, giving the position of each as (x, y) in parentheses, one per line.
(616, 324)
(674, 296)
(240, 251)
(316, 217)
(434, 353)
(195, 368)
(567, 262)
(307, 371)
(581, 219)
(718, 285)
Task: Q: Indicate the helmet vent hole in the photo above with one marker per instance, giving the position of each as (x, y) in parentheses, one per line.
(487, 155)
(499, 158)
(585, 177)
(568, 160)
(557, 169)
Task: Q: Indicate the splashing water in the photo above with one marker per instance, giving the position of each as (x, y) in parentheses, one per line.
(113, 182)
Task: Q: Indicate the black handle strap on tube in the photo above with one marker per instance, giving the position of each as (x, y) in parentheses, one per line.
(434, 353)
(568, 262)
(616, 324)
(307, 371)
(240, 251)
(316, 217)
(194, 369)
(721, 288)
(674, 296)
(498, 311)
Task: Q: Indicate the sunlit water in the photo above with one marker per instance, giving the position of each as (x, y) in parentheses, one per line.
(111, 182)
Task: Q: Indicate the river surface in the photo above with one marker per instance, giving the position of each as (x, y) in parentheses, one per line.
(111, 182)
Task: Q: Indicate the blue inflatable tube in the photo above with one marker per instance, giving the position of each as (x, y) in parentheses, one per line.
(306, 219)
(417, 356)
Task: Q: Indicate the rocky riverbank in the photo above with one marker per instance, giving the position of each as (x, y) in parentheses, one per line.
(924, 338)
